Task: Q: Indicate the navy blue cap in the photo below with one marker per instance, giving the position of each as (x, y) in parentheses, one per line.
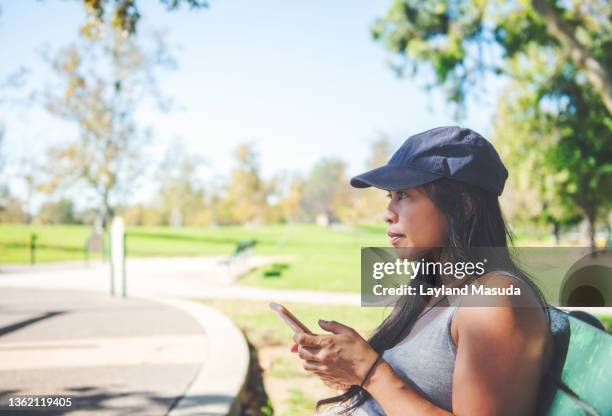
(444, 152)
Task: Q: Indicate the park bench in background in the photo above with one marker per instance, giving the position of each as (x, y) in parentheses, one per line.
(244, 248)
(581, 372)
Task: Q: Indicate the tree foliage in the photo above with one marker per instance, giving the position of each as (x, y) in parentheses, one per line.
(102, 81)
(462, 41)
(181, 195)
(555, 116)
(246, 193)
(60, 212)
(557, 139)
(124, 15)
(326, 190)
(368, 205)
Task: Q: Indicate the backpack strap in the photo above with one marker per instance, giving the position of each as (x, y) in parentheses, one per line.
(552, 381)
(560, 384)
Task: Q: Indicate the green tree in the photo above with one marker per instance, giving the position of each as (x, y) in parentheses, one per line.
(102, 81)
(533, 193)
(3, 181)
(60, 212)
(286, 195)
(181, 193)
(556, 112)
(125, 14)
(380, 152)
(461, 41)
(245, 195)
(326, 191)
(560, 150)
(2, 157)
(367, 205)
(12, 209)
(15, 81)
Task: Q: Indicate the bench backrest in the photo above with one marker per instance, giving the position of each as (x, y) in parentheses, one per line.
(586, 374)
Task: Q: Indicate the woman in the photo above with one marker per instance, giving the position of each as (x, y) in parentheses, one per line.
(443, 187)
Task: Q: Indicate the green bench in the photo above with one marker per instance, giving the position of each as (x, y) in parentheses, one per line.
(581, 376)
(243, 247)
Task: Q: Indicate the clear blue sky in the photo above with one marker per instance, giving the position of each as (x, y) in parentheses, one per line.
(302, 79)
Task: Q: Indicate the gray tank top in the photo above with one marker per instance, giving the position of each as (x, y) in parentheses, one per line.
(425, 359)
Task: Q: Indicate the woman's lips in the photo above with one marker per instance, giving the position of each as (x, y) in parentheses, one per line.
(395, 238)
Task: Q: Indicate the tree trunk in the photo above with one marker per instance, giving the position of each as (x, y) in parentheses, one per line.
(591, 219)
(557, 232)
(107, 210)
(599, 76)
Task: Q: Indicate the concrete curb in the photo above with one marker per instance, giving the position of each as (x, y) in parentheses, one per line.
(217, 387)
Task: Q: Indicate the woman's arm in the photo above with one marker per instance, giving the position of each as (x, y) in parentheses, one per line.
(345, 357)
(499, 362)
(395, 396)
(501, 353)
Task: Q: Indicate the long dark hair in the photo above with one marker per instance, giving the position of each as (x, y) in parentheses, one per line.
(475, 220)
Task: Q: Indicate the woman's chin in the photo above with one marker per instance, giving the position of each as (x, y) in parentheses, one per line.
(411, 253)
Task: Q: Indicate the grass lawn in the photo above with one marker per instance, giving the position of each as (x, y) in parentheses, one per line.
(54, 243)
(323, 258)
(292, 390)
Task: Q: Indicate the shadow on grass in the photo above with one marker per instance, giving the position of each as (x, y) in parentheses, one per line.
(26, 246)
(254, 399)
(275, 270)
(181, 237)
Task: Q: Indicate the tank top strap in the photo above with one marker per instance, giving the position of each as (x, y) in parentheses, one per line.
(514, 276)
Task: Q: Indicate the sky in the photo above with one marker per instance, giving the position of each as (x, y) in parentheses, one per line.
(303, 80)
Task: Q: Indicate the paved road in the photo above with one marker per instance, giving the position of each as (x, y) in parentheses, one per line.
(114, 356)
(61, 333)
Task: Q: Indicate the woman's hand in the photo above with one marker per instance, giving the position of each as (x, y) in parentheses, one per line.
(340, 359)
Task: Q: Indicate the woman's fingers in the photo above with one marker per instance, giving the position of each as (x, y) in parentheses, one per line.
(335, 327)
(314, 366)
(309, 340)
(308, 353)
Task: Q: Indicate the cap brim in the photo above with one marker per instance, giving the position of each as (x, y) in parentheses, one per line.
(393, 178)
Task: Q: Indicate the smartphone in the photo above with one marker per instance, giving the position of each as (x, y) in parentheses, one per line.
(289, 318)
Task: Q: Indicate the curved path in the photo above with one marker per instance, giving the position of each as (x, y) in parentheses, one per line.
(150, 353)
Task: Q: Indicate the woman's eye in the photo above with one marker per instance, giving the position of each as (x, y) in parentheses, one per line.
(402, 194)
(389, 195)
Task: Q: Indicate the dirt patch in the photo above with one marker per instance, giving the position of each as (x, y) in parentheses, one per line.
(254, 400)
(278, 385)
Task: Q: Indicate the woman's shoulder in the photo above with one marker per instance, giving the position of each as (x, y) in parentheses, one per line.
(503, 288)
(503, 304)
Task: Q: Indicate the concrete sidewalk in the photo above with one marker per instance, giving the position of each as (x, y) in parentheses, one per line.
(114, 356)
(60, 332)
(179, 277)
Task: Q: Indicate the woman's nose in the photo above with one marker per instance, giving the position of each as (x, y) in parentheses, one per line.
(390, 217)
